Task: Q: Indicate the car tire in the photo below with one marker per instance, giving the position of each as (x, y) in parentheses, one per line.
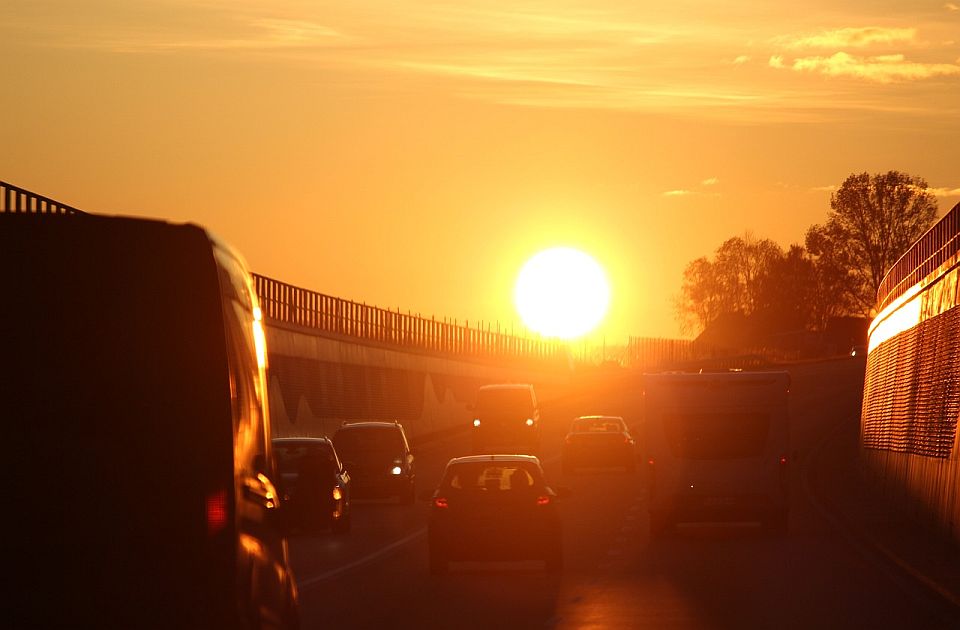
(439, 565)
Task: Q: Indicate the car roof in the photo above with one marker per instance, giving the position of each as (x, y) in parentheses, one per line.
(304, 440)
(471, 459)
(371, 424)
(507, 386)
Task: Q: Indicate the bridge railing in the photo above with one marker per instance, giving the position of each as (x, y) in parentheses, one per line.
(289, 304)
(937, 246)
(14, 199)
(286, 303)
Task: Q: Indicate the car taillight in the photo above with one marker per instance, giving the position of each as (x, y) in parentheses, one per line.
(543, 500)
(650, 462)
(783, 460)
(216, 512)
(440, 502)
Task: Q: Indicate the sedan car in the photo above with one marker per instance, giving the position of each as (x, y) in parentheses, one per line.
(315, 485)
(599, 441)
(494, 507)
(379, 459)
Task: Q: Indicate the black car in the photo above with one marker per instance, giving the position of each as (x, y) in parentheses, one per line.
(598, 442)
(378, 458)
(506, 420)
(494, 507)
(315, 486)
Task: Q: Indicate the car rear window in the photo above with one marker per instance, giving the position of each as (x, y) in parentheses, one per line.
(354, 443)
(597, 425)
(492, 476)
(290, 456)
(717, 435)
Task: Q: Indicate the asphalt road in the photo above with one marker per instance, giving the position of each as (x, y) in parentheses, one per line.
(615, 576)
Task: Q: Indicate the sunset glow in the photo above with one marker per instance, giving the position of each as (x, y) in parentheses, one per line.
(562, 292)
(376, 150)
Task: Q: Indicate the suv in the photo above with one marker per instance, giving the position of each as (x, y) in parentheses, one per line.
(135, 390)
(378, 458)
(506, 420)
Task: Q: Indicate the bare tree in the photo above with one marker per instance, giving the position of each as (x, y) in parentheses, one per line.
(873, 221)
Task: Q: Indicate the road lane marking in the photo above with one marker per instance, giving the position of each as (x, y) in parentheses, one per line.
(379, 553)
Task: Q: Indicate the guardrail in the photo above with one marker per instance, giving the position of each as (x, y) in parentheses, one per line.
(18, 200)
(938, 245)
(286, 303)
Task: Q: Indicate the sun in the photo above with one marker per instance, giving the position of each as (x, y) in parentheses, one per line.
(561, 292)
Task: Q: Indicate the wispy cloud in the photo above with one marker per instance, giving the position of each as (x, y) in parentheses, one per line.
(951, 7)
(710, 181)
(741, 59)
(830, 188)
(879, 69)
(776, 61)
(856, 37)
(944, 192)
(678, 193)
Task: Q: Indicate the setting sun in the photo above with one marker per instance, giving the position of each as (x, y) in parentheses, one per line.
(562, 292)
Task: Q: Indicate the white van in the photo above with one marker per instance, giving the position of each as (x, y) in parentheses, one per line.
(717, 447)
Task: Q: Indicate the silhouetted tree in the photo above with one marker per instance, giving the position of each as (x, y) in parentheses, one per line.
(873, 221)
(731, 283)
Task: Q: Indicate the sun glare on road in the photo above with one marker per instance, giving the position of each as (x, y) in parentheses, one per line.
(561, 292)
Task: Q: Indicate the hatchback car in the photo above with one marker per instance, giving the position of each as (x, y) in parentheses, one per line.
(315, 486)
(379, 460)
(598, 441)
(494, 507)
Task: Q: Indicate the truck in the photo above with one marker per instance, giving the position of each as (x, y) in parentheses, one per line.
(717, 448)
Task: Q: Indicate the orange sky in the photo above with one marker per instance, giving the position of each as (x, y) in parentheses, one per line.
(415, 154)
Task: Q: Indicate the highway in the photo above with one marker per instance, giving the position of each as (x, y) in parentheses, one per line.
(616, 576)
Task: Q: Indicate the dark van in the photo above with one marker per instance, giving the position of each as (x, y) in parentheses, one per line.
(506, 420)
(139, 475)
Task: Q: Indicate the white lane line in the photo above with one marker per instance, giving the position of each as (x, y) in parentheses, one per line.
(379, 553)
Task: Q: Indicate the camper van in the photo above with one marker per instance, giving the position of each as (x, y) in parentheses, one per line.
(716, 447)
(140, 476)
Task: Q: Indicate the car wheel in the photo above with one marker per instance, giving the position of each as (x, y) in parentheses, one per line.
(342, 524)
(439, 565)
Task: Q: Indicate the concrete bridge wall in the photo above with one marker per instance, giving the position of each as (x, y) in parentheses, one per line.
(316, 381)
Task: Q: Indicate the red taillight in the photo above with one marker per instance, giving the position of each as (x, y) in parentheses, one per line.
(783, 460)
(650, 462)
(543, 500)
(440, 502)
(216, 512)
